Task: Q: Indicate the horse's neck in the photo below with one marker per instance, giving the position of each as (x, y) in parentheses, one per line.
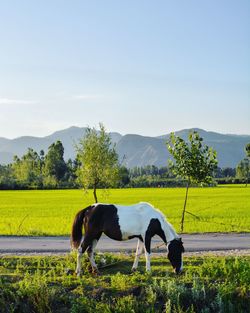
(170, 233)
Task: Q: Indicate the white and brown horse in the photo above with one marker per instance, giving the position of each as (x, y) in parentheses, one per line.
(119, 222)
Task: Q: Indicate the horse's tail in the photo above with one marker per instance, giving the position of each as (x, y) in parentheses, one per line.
(76, 232)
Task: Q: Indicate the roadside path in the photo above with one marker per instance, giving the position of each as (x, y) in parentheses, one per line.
(192, 243)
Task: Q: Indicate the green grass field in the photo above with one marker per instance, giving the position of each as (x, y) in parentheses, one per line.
(47, 284)
(41, 212)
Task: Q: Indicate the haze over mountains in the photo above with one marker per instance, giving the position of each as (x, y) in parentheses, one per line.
(133, 150)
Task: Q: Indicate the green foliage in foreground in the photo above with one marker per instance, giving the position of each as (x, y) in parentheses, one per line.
(51, 212)
(47, 284)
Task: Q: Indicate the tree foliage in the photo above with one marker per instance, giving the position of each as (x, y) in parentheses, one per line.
(193, 161)
(247, 149)
(98, 160)
(54, 164)
(27, 170)
(243, 170)
(124, 178)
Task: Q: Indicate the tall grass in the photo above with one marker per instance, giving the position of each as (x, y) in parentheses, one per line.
(45, 284)
(50, 212)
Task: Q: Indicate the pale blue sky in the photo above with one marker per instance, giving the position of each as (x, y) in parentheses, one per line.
(146, 67)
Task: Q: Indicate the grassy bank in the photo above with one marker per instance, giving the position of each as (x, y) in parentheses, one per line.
(46, 284)
(41, 212)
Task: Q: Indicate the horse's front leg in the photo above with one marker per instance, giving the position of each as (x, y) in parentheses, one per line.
(137, 254)
(147, 246)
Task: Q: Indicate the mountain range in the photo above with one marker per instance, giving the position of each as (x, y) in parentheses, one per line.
(134, 150)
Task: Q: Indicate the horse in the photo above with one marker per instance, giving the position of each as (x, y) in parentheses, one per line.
(120, 222)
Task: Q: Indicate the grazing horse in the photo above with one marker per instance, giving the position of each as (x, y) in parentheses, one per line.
(119, 222)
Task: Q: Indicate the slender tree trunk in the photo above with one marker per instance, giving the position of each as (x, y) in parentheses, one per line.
(95, 196)
(184, 208)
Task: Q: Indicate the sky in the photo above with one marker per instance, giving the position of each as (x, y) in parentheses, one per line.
(144, 67)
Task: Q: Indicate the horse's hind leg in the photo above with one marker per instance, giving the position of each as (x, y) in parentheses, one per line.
(91, 253)
(137, 254)
(78, 264)
(83, 247)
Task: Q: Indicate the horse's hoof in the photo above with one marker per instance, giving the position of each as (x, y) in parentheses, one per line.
(69, 271)
(95, 272)
(78, 274)
(133, 270)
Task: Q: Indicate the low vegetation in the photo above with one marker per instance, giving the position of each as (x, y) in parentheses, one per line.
(48, 284)
(51, 212)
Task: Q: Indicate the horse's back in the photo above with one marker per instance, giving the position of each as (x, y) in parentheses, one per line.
(121, 222)
(134, 219)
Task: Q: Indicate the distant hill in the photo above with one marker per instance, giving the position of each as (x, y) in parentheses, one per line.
(137, 150)
(69, 137)
(133, 150)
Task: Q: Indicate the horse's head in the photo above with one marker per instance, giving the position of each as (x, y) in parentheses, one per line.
(175, 250)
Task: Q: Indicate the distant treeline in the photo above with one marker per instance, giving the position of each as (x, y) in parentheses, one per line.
(50, 171)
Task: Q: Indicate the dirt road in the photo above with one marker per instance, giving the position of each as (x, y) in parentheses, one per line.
(192, 243)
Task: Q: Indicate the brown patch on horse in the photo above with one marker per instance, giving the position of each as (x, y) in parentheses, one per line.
(103, 218)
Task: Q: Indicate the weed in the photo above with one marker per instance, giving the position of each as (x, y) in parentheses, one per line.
(35, 288)
(120, 281)
(42, 284)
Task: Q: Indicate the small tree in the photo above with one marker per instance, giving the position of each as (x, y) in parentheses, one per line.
(27, 170)
(247, 149)
(98, 160)
(124, 178)
(243, 170)
(54, 164)
(194, 161)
